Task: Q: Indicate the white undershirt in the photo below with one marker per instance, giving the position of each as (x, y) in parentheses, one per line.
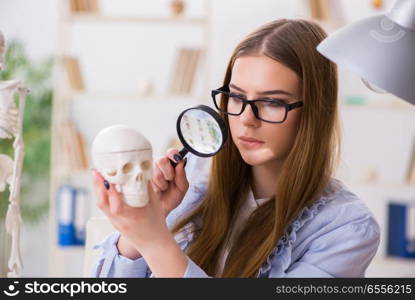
(246, 210)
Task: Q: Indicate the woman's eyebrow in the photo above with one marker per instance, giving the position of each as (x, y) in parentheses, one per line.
(236, 88)
(265, 93)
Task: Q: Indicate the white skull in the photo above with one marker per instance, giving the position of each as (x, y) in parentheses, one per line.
(124, 157)
(6, 171)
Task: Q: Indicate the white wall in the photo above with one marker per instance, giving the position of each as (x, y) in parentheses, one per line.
(31, 21)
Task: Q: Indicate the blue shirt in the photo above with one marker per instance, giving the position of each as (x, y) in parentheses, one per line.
(337, 236)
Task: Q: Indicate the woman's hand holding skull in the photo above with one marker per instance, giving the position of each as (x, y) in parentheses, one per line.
(144, 227)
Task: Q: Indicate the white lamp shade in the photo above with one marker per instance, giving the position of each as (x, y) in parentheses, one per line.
(378, 50)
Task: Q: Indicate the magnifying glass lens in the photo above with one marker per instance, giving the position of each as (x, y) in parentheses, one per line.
(201, 131)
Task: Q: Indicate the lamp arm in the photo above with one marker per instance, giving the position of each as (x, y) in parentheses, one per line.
(403, 13)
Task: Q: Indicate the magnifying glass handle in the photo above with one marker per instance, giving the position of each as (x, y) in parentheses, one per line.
(181, 153)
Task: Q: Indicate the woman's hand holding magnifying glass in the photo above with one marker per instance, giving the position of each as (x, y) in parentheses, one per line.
(170, 182)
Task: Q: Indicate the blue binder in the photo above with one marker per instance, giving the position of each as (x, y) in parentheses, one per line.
(71, 215)
(401, 229)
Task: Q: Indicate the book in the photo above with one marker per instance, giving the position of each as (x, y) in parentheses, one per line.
(72, 147)
(91, 6)
(74, 6)
(73, 72)
(191, 70)
(187, 54)
(319, 9)
(82, 6)
(184, 71)
(177, 72)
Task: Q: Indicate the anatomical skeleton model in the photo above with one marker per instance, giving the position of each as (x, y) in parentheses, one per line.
(11, 123)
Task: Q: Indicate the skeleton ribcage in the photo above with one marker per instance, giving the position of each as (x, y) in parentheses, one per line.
(8, 122)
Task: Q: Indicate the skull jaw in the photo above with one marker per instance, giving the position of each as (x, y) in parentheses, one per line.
(135, 193)
(136, 200)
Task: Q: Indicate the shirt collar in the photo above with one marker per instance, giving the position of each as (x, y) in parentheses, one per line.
(255, 202)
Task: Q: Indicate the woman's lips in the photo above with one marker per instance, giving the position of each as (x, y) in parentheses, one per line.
(250, 142)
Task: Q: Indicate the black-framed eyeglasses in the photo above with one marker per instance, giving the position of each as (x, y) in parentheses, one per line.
(269, 110)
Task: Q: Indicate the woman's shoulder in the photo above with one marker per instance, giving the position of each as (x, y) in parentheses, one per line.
(337, 226)
(339, 204)
(339, 211)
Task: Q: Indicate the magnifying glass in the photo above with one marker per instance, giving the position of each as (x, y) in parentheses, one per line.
(201, 130)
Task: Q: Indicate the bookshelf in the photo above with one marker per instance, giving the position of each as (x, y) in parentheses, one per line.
(93, 17)
(377, 164)
(87, 105)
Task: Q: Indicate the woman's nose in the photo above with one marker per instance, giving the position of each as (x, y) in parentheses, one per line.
(248, 117)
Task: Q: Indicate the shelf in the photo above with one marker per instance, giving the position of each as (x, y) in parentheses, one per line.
(71, 249)
(387, 266)
(400, 107)
(135, 97)
(91, 17)
(380, 185)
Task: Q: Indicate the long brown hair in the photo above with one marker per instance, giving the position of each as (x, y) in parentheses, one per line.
(305, 173)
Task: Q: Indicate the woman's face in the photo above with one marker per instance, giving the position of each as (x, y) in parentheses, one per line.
(252, 77)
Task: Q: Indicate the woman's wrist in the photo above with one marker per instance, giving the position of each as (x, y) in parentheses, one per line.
(126, 249)
(165, 258)
(155, 244)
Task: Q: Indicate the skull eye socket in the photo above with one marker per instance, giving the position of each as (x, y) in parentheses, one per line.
(145, 165)
(127, 168)
(111, 173)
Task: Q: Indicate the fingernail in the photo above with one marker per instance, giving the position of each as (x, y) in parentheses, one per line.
(185, 162)
(177, 157)
(107, 184)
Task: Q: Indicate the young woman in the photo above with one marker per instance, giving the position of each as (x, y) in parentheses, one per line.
(266, 205)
